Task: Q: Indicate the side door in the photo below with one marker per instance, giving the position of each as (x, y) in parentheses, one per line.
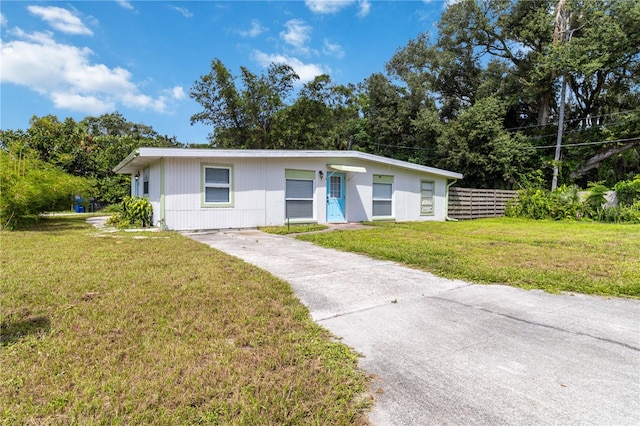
(335, 197)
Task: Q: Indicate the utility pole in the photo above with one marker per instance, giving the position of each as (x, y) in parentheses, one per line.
(558, 155)
(560, 33)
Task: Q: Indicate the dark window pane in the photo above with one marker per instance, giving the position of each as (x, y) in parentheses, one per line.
(299, 209)
(382, 208)
(216, 195)
(299, 188)
(212, 175)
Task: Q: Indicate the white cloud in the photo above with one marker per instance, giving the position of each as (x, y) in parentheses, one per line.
(125, 4)
(332, 49)
(178, 93)
(297, 34)
(327, 6)
(66, 75)
(306, 72)
(3, 20)
(365, 8)
(86, 104)
(60, 19)
(255, 30)
(184, 11)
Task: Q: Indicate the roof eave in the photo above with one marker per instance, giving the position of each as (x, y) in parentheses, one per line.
(149, 153)
(121, 165)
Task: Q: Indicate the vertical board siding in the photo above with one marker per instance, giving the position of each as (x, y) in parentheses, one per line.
(183, 205)
(154, 191)
(468, 203)
(259, 192)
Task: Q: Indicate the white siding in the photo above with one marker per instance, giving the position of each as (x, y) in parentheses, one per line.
(259, 192)
(154, 189)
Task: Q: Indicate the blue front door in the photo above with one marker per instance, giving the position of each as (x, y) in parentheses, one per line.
(335, 198)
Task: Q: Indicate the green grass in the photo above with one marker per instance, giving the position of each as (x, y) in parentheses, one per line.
(153, 328)
(293, 229)
(556, 256)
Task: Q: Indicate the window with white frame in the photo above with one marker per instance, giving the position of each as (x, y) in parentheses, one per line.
(382, 196)
(217, 185)
(427, 189)
(299, 194)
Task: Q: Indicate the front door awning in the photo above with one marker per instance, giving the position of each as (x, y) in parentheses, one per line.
(344, 168)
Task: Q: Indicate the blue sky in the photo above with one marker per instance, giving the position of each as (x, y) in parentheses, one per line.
(140, 58)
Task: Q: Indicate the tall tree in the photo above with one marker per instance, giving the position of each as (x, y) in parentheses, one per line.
(477, 144)
(517, 33)
(242, 117)
(324, 116)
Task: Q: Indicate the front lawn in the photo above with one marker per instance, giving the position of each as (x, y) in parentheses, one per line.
(154, 328)
(584, 257)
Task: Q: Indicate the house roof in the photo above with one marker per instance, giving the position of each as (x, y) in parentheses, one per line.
(142, 157)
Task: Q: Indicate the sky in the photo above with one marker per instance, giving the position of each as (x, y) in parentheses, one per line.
(141, 58)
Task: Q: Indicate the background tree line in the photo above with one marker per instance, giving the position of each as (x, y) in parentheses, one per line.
(482, 98)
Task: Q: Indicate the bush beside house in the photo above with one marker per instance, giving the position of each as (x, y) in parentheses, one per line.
(566, 202)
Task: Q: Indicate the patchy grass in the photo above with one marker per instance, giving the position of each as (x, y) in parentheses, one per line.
(140, 328)
(555, 256)
(293, 229)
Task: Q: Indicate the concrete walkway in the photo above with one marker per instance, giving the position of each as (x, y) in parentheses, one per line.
(449, 352)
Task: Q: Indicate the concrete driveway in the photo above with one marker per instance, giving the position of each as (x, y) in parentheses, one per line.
(449, 352)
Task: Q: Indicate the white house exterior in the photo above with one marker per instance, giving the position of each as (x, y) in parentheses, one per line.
(195, 189)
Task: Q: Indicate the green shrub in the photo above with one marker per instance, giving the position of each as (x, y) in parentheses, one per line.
(565, 203)
(620, 214)
(29, 186)
(538, 203)
(595, 201)
(534, 202)
(628, 192)
(135, 212)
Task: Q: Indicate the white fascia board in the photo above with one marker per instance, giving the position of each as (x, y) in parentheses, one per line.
(121, 165)
(143, 156)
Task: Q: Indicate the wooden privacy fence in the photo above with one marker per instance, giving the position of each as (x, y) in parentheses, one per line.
(468, 203)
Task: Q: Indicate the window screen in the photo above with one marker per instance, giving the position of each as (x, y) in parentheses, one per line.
(216, 195)
(216, 175)
(299, 199)
(382, 195)
(217, 185)
(299, 188)
(426, 197)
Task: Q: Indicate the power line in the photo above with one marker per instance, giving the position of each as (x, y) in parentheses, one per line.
(417, 148)
(555, 134)
(573, 120)
(589, 143)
